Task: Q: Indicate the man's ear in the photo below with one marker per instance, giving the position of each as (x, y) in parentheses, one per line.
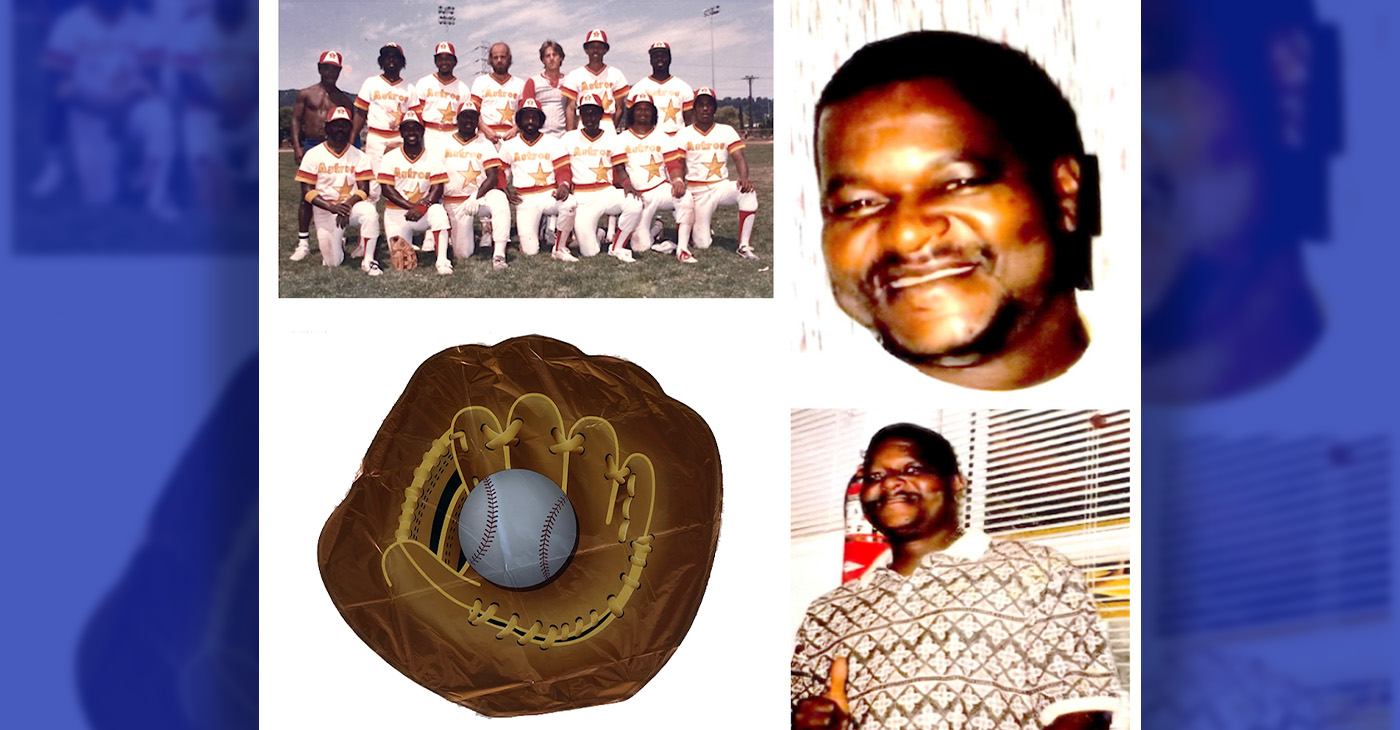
(1067, 176)
(959, 486)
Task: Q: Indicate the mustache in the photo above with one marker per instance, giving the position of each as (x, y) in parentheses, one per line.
(894, 265)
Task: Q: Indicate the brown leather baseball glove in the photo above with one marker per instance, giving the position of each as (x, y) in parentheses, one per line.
(401, 254)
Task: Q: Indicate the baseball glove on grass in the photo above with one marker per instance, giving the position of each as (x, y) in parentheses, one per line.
(641, 472)
(401, 254)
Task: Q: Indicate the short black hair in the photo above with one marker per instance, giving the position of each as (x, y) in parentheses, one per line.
(1006, 86)
(387, 50)
(932, 449)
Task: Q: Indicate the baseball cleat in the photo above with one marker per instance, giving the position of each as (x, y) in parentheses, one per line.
(747, 252)
(686, 257)
(371, 267)
(560, 254)
(664, 247)
(622, 254)
(444, 267)
(300, 253)
(499, 263)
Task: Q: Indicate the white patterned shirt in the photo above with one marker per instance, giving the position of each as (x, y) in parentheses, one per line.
(985, 635)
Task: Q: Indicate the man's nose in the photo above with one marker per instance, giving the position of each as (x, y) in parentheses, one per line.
(914, 227)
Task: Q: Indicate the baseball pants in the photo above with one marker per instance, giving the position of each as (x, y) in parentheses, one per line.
(527, 218)
(593, 205)
(709, 197)
(331, 238)
(657, 199)
(396, 223)
(492, 205)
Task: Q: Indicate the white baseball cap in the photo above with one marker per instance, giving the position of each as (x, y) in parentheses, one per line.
(339, 112)
(330, 57)
(590, 100)
(445, 47)
(639, 97)
(706, 91)
(597, 35)
(659, 46)
(411, 116)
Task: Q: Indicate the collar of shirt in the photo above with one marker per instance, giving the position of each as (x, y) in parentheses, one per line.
(972, 545)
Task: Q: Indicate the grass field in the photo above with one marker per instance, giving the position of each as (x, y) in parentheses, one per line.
(720, 272)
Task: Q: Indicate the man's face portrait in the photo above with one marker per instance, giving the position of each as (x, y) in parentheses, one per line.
(329, 72)
(500, 58)
(934, 234)
(903, 497)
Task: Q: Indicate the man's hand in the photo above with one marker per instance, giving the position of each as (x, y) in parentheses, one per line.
(678, 187)
(513, 198)
(561, 191)
(745, 186)
(627, 189)
(830, 709)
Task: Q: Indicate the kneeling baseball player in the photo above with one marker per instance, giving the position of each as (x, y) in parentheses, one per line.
(335, 178)
(413, 179)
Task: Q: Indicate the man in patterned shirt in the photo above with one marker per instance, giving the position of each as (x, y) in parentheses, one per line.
(960, 631)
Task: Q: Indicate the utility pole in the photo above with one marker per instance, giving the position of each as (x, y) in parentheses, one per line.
(484, 59)
(711, 13)
(750, 80)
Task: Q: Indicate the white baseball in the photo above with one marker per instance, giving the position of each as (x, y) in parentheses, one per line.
(517, 528)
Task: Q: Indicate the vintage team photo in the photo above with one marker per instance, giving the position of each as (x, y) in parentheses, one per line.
(488, 149)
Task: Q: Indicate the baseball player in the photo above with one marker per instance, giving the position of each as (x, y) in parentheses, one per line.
(673, 98)
(656, 167)
(334, 179)
(382, 101)
(412, 179)
(219, 80)
(473, 167)
(708, 147)
(438, 96)
(309, 114)
(596, 77)
(539, 167)
(595, 155)
(497, 94)
(546, 88)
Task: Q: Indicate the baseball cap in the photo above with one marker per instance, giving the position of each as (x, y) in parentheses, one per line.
(639, 97)
(529, 104)
(597, 35)
(391, 48)
(468, 105)
(339, 112)
(706, 91)
(590, 100)
(411, 117)
(659, 46)
(330, 57)
(445, 47)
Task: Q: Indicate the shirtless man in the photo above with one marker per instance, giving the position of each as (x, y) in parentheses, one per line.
(309, 129)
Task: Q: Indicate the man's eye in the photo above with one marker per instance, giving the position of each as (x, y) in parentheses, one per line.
(857, 208)
(915, 470)
(963, 183)
(873, 479)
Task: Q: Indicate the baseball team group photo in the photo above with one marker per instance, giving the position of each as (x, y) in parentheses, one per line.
(459, 168)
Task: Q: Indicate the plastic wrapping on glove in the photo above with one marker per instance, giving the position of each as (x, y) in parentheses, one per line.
(641, 471)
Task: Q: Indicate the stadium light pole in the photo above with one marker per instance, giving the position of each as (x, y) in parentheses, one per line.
(711, 13)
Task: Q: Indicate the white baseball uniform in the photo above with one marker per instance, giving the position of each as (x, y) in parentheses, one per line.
(498, 101)
(437, 103)
(536, 168)
(648, 157)
(336, 177)
(609, 84)
(413, 178)
(591, 161)
(673, 98)
(550, 96)
(384, 104)
(468, 164)
(707, 176)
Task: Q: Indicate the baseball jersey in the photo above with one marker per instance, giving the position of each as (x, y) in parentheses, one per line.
(437, 102)
(498, 100)
(467, 164)
(592, 160)
(609, 84)
(647, 157)
(706, 153)
(335, 176)
(225, 62)
(384, 103)
(411, 177)
(673, 99)
(535, 167)
(550, 96)
(112, 53)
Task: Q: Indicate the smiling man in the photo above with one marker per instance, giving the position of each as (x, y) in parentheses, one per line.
(957, 204)
(960, 629)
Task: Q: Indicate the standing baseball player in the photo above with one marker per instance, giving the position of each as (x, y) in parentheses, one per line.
(539, 167)
(313, 106)
(438, 96)
(381, 104)
(596, 156)
(673, 98)
(334, 179)
(412, 179)
(708, 147)
(498, 96)
(473, 167)
(596, 77)
(546, 88)
(656, 167)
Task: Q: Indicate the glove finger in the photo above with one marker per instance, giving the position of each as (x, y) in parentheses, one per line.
(539, 441)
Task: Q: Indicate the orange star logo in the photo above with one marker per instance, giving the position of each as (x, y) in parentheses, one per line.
(507, 113)
(394, 120)
(601, 171)
(541, 176)
(672, 111)
(414, 196)
(449, 115)
(344, 191)
(653, 169)
(714, 166)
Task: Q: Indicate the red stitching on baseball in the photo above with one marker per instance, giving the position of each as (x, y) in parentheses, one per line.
(491, 510)
(545, 533)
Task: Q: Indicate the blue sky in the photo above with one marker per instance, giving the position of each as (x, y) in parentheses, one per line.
(743, 37)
